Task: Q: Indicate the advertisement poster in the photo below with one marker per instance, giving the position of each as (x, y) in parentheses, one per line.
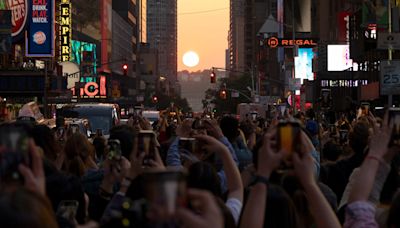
(19, 16)
(40, 35)
(375, 12)
(303, 64)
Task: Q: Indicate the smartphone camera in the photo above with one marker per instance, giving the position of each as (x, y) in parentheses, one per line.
(288, 137)
(114, 150)
(74, 128)
(147, 145)
(14, 144)
(365, 107)
(187, 150)
(394, 117)
(165, 190)
(67, 209)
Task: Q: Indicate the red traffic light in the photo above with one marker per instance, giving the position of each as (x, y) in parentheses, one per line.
(213, 77)
(222, 94)
(125, 69)
(155, 99)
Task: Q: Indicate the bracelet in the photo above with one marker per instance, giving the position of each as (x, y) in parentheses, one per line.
(260, 179)
(372, 157)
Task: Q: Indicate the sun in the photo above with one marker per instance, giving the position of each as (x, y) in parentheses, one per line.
(191, 59)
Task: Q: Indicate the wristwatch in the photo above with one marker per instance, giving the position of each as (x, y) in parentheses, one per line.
(260, 179)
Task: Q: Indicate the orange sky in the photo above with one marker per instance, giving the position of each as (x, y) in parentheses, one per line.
(204, 33)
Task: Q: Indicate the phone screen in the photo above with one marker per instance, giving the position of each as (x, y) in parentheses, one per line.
(394, 115)
(99, 132)
(68, 209)
(74, 128)
(288, 139)
(167, 190)
(147, 145)
(114, 152)
(365, 108)
(14, 142)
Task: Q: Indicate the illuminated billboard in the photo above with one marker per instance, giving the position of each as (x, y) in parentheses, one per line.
(303, 64)
(91, 87)
(65, 30)
(84, 54)
(40, 35)
(339, 58)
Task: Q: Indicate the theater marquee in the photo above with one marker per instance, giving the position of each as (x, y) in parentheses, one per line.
(65, 23)
(274, 42)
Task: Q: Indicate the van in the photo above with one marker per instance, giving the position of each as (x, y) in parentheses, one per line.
(101, 116)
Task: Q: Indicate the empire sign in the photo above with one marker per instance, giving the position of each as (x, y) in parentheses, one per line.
(65, 30)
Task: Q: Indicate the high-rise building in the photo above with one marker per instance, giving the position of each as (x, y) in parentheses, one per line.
(142, 21)
(127, 10)
(236, 35)
(162, 35)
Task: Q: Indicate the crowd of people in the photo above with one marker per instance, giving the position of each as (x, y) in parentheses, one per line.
(288, 171)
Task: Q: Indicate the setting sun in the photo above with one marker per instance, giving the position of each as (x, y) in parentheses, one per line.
(191, 59)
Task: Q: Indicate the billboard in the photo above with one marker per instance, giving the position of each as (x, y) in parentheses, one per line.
(84, 54)
(40, 35)
(339, 57)
(65, 30)
(19, 16)
(303, 64)
(375, 12)
(343, 19)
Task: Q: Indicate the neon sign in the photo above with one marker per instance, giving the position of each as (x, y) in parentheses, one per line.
(92, 87)
(274, 42)
(65, 30)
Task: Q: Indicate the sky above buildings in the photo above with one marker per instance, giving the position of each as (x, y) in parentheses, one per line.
(203, 28)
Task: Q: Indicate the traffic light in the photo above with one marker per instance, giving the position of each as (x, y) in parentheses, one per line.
(155, 99)
(213, 77)
(125, 69)
(222, 94)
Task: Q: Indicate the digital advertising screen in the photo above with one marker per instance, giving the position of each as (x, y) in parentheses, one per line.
(303, 64)
(339, 58)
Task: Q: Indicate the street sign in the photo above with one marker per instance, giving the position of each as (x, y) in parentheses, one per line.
(390, 77)
(388, 40)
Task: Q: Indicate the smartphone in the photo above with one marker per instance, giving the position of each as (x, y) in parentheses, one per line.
(166, 190)
(74, 128)
(99, 132)
(343, 134)
(365, 106)
(14, 144)
(394, 116)
(67, 209)
(288, 138)
(60, 133)
(187, 150)
(114, 150)
(147, 145)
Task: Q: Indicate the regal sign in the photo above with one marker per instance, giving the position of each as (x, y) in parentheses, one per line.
(19, 9)
(274, 42)
(65, 30)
